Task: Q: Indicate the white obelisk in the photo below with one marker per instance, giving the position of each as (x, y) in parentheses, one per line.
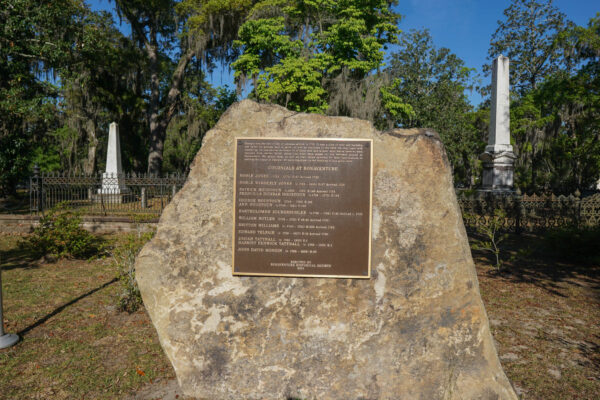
(112, 178)
(498, 158)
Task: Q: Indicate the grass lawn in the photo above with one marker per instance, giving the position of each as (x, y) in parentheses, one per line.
(544, 316)
(76, 345)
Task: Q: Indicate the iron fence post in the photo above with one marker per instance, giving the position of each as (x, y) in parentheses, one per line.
(31, 194)
(162, 187)
(39, 188)
(518, 230)
(578, 208)
(518, 206)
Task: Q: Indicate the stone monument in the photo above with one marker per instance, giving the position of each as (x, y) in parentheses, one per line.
(498, 158)
(415, 328)
(113, 187)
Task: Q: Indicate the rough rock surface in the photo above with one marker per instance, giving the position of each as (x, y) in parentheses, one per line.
(416, 330)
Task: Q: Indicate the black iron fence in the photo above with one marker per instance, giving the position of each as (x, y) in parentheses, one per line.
(103, 194)
(518, 212)
(143, 194)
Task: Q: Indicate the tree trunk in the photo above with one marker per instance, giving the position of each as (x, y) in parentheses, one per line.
(158, 120)
(90, 163)
(155, 156)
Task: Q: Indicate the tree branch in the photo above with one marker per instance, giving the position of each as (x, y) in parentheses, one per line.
(37, 56)
(135, 25)
(176, 84)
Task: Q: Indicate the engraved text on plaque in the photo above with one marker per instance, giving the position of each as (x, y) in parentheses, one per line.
(302, 207)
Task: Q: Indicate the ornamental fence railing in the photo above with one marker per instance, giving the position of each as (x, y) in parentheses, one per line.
(147, 195)
(516, 212)
(103, 194)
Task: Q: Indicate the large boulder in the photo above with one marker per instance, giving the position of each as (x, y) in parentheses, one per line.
(416, 330)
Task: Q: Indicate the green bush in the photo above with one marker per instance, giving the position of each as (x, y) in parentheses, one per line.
(580, 244)
(60, 234)
(124, 256)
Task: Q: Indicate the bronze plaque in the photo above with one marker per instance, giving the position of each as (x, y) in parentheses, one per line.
(302, 207)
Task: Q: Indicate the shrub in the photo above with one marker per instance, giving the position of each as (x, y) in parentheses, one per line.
(60, 234)
(490, 231)
(124, 256)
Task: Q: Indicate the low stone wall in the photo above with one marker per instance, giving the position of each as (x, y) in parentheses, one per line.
(11, 223)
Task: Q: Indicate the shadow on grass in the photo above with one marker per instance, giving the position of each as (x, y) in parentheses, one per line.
(587, 348)
(527, 259)
(17, 257)
(592, 351)
(58, 310)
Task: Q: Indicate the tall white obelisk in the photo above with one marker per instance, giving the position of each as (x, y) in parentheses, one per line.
(498, 158)
(112, 178)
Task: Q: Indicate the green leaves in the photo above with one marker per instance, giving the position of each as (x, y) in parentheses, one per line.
(555, 76)
(264, 43)
(527, 36)
(36, 40)
(432, 82)
(556, 125)
(490, 230)
(66, 72)
(296, 83)
(293, 50)
(123, 256)
(60, 234)
(356, 39)
(397, 109)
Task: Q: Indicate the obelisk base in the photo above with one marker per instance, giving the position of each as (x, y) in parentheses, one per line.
(498, 170)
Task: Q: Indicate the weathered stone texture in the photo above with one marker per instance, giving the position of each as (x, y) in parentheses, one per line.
(416, 330)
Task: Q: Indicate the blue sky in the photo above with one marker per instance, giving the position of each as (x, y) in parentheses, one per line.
(463, 26)
(466, 26)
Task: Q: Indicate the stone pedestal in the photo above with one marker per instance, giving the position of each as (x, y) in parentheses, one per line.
(113, 184)
(498, 170)
(112, 198)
